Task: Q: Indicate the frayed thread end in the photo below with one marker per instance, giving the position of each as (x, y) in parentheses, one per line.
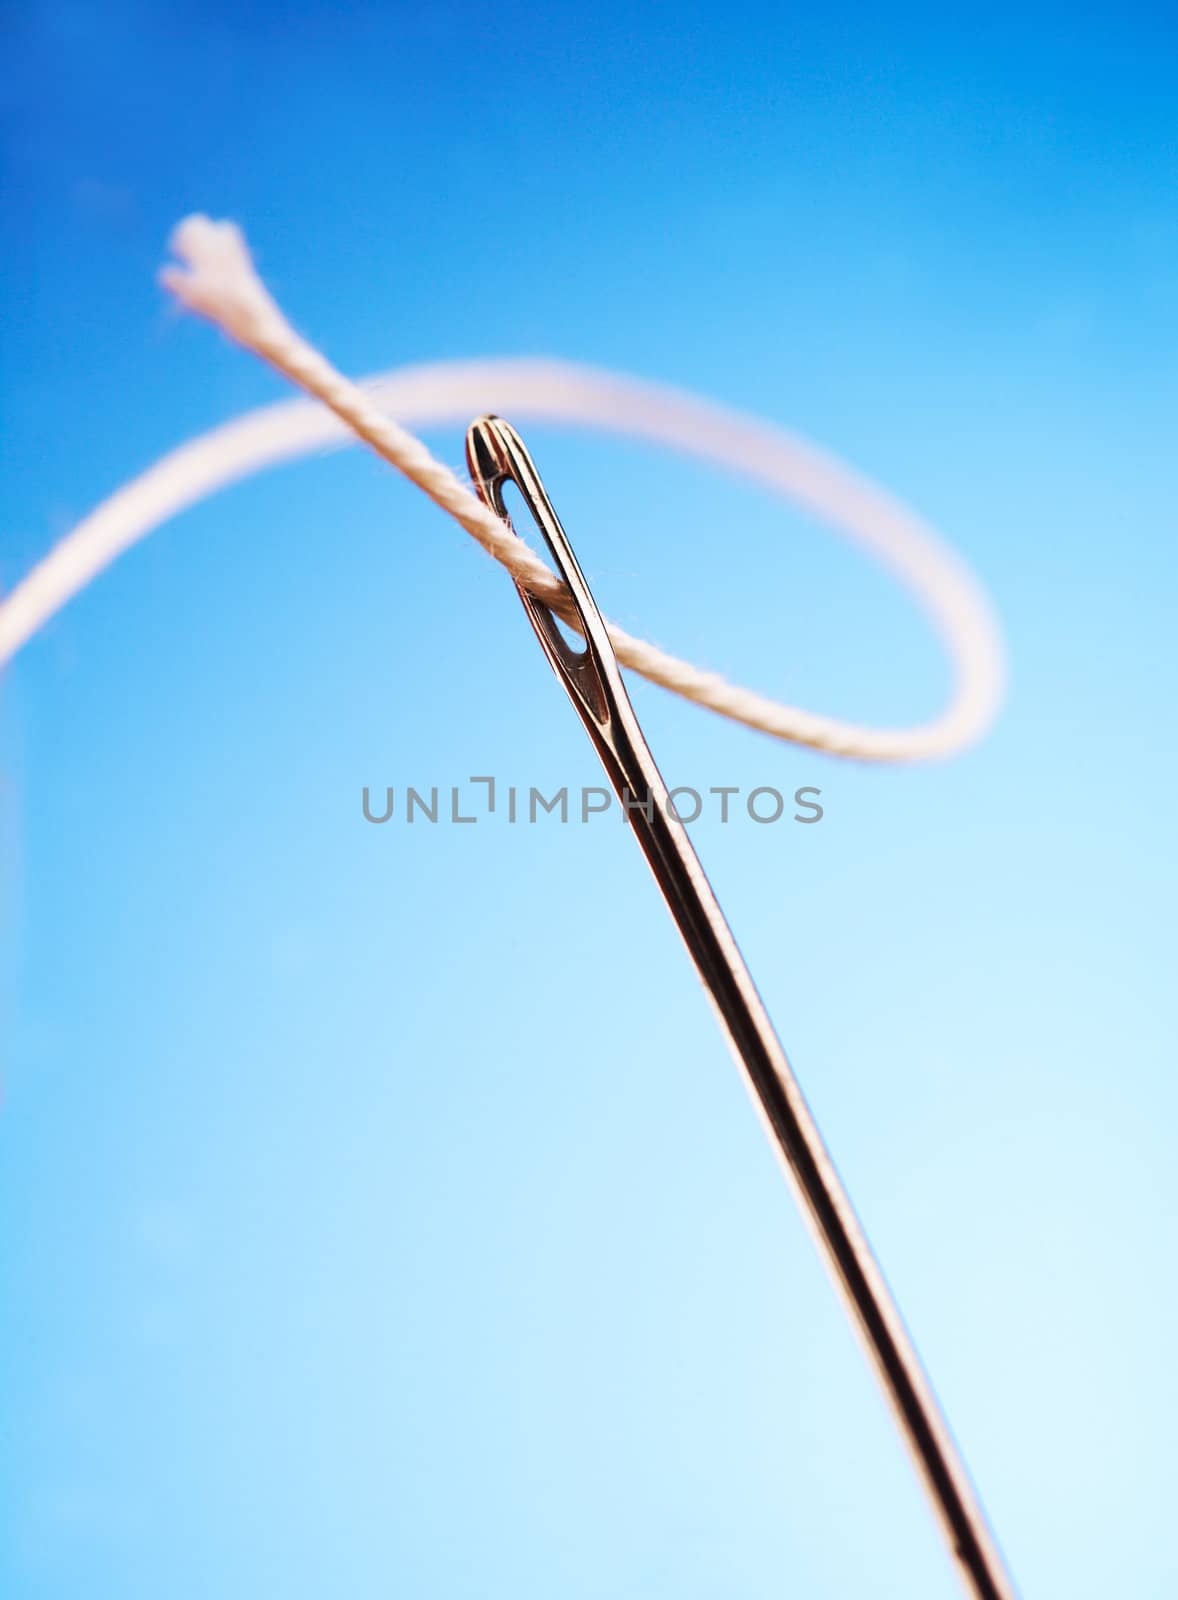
(218, 280)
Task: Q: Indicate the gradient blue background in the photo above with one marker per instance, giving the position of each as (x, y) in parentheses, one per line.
(382, 1215)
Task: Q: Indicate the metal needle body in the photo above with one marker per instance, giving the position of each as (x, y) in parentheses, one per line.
(591, 676)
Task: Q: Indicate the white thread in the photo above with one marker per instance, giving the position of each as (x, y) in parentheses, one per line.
(220, 282)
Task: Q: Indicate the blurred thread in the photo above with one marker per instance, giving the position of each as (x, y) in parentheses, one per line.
(220, 282)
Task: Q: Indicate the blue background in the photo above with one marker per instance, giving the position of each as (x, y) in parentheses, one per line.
(382, 1214)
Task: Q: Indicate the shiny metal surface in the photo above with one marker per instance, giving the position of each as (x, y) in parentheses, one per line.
(591, 676)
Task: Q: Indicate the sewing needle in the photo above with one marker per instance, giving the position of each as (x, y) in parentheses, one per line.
(496, 455)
